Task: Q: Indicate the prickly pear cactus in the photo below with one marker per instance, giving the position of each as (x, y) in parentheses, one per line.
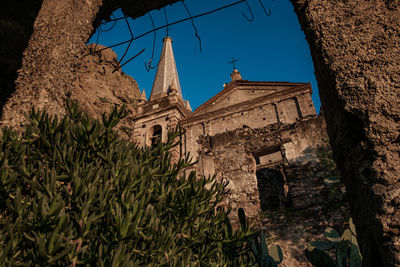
(266, 255)
(346, 248)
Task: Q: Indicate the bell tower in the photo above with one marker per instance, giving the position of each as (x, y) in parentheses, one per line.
(165, 107)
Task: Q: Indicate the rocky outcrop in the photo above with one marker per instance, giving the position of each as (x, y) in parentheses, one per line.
(16, 20)
(55, 52)
(355, 47)
(50, 61)
(99, 86)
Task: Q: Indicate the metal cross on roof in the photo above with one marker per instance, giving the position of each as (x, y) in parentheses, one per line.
(233, 61)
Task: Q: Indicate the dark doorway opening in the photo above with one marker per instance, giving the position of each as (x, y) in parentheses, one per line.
(271, 184)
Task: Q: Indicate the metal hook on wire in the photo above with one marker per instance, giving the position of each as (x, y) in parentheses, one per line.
(126, 62)
(148, 66)
(265, 11)
(112, 16)
(129, 45)
(196, 31)
(251, 13)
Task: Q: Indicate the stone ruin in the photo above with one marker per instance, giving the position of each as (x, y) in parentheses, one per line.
(355, 46)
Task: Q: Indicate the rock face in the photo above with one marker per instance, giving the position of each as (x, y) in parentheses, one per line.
(49, 62)
(355, 47)
(98, 88)
(54, 52)
(16, 20)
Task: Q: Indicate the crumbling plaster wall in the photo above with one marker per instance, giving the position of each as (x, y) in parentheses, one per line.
(226, 154)
(231, 155)
(355, 47)
(304, 139)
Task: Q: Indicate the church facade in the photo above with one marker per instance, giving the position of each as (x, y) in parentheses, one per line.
(247, 127)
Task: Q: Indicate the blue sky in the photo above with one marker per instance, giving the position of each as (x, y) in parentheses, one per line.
(270, 48)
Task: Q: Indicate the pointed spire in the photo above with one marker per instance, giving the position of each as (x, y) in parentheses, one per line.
(188, 105)
(143, 96)
(166, 72)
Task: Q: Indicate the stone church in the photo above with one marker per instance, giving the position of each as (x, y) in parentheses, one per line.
(247, 127)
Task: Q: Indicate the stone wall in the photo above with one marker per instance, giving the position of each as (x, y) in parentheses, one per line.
(276, 175)
(310, 207)
(249, 105)
(16, 20)
(54, 52)
(355, 46)
(236, 155)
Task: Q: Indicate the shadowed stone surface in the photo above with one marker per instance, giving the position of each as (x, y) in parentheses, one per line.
(355, 47)
(49, 62)
(16, 20)
(55, 52)
(98, 88)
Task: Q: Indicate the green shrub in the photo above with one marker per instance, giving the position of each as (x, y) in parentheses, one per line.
(73, 192)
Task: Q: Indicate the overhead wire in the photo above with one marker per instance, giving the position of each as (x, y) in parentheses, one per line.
(167, 25)
(251, 13)
(129, 45)
(148, 66)
(196, 32)
(172, 23)
(265, 11)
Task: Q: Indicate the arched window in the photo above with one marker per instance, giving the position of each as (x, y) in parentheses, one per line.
(155, 135)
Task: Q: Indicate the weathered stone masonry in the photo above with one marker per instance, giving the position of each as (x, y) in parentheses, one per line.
(236, 156)
(355, 49)
(355, 46)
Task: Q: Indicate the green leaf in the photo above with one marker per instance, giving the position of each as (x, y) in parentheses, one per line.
(352, 227)
(242, 219)
(355, 256)
(332, 235)
(319, 258)
(275, 252)
(322, 245)
(264, 247)
(347, 235)
(332, 180)
(342, 252)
